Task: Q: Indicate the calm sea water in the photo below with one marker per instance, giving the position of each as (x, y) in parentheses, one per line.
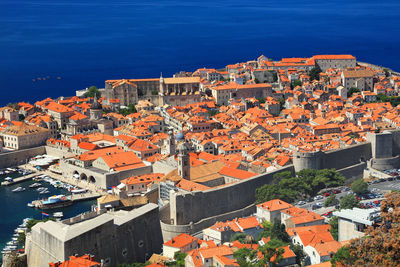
(14, 208)
(88, 41)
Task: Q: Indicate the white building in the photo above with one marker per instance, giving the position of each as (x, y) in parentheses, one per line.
(352, 223)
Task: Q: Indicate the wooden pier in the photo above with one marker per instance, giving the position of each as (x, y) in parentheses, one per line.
(19, 179)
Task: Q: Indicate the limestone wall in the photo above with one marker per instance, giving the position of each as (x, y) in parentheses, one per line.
(343, 158)
(195, 206)
(170, 231)
(14, 158)
(116, 238)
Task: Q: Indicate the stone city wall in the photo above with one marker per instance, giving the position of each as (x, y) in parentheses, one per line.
(170, 231)
(195, 206)
(18, 157)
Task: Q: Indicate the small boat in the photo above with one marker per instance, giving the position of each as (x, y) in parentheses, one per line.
(14, 238)
(35, 185)
(8, 179)
(18, 189)
(10, 243)
(58, 214)
(15, 235)
(30, 205)
(44, 192)
(79, 191)
(41, 189)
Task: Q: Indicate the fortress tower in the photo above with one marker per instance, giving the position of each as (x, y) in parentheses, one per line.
(307, 160)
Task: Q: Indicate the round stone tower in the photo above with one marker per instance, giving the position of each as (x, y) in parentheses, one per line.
(308, 160)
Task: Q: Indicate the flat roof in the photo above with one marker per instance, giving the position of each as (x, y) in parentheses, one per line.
(364, 216)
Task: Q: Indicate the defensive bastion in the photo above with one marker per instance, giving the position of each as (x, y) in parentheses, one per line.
(191, 212)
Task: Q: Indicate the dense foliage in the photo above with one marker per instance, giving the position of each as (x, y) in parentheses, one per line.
(381, 245)
(359, 186)
(352, 90)
(273, 249)
(297, 83)
(126, 111)
(314, 73)
(275, 230)
(92, 92)
(349, 202)
(333, 222)
(394, 100)
(304, 184)
(331, 201)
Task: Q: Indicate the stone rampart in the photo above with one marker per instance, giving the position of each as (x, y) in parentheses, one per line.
(18, 157)
(170, 231)
(195, 206)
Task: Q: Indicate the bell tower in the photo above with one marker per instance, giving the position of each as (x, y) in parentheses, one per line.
(183, 161)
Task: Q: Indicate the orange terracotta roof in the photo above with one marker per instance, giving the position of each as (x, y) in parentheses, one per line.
(180, 241)
(275, 204)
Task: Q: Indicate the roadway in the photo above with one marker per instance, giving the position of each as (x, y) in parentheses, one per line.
(382, 187)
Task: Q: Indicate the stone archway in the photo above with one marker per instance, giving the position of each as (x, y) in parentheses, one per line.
(75, 174)
(92, 179)
(83, 177)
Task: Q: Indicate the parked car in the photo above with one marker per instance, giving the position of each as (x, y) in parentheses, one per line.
(327, 194)
(337, 191)
(346, 189)
(301, 203)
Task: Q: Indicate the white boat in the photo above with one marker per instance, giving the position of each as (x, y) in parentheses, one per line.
(44, 192)
(8, 179)
(58, 214)
(41, 189)
(30, 205)
(18, 189)
(79, 191)
(11, 243)
(14, 239)
(35, 185)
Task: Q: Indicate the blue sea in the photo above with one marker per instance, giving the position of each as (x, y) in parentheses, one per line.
(85, 42)
(14, 207)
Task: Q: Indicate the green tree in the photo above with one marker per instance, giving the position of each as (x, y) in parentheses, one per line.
(21, 239)
(297, 83)
(331, 201)
(352, 90)
(241, 237)
(261, 100)
(359, 186)
(278, 232)
(21, 117)
(129, 110)
(244, 257)
(349, 202)
(314, 73)
(179, 258)
(272, 249)
(300, 255)
(93, 91)
(333, 222)
(343, 256)
(154, 92)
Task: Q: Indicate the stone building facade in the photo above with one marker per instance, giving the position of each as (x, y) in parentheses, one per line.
(24, 136)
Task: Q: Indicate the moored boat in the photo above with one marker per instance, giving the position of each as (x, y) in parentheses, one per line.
(55, 202)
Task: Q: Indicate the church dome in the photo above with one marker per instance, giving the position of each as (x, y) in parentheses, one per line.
(179, 136)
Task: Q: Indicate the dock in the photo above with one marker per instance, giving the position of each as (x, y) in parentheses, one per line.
(74, 198)
(19, 179)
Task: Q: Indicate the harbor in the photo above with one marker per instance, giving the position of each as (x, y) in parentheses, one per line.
(19, 195)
